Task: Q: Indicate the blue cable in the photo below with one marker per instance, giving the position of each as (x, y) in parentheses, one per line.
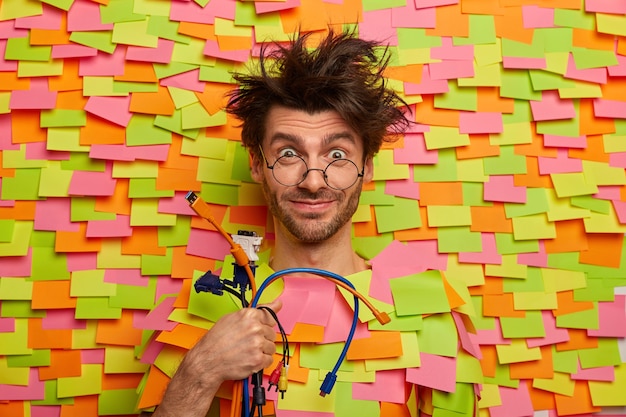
(331, 377)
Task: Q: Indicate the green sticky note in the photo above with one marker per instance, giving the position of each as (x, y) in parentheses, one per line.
(398, 323)
(192, 53)
(439, 335)
(13, 376)
(146, 188)
(410, 357)
(84, 209)
(586, 319)
(369, 247)
(116, 11)
(23, 185)
(371, 5)
(99, 39)
(482, 31)
(60, 4)
(20, 309)
(581, 89)
(7, 227)
(207, 147)
(101, 86)
(513, 134)
(557, 280)
(118, 402)
(171, 68)
(38, 357)
(606, 354)
(361, 282)
(174, 124)
(536, 203)
(514, 48)
(571, 184)
(460, 402)
(16, 9)
(521, 113)
(564, 127)
(65, 139)
(224, 194)
(439, 137)
(531, 325)
(506, 244)
(49, 265)
(195, 116)
(413, 38)
(176, 235)
(557, 63)
(51, 68)
(555, 39)
(96, 308)
(421, 293)
(126, 87)
(182, 97)
(220, 72)
(386, 169)
(516, 84)
(502, 378)
(122, 360)
(211, 306)
(134, 297)
(597, 289)
(586, 58)
(5, 99)
(322, 356)
(473, 170)
(62, 117)
(445, 170)
(481, 322)
(532, 282)
(610, 23)
(15, 288)
(377, 197)
(90, 283)
(446, 216)
(145, 212)
(162, 26)
(458, 239)
(346, 406)
(544, 80)
(536, 226)
(142, 131)
(565, 361)
(88, 383)
(18, 49)
(404, 214)
(82, 162)
(216, 170)
(574, 19)
(507, 163)
(507, 268)
(157, 264)
(240, 170)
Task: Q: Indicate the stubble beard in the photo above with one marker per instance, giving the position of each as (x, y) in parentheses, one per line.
(307, 229)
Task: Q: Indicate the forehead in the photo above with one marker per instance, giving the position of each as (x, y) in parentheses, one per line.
(285, 125)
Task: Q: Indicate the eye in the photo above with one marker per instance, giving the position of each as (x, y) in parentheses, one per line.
(337, 154)
(287, 153)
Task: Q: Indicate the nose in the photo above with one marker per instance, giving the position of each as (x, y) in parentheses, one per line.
(313, 181)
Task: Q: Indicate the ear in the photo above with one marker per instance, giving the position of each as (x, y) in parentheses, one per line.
(368, 171)
(256, 167)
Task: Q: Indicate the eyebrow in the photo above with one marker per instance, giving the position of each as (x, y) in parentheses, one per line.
(326, 140)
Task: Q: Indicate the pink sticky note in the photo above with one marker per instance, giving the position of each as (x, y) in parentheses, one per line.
(62, 319)
(438, 372)
(411, 17)
(175, 205)
(448, 50)
(491, 336)
(6, 134)
(489, 254)
(603, 373)
(414, 151)
(620, 210)
(608, 192)
(81, 261)
(469, 341)
(103, 64)
(553, 335)
(515, 402)
(35, 390)
(92, 183)
(502, 188)
(538, 259)
(157, 318)
(579, 142)
(480, 122)
(53, 214)
(609, 108)
(126, 277)
(119, 227)
(537, 17)
(428, 84)
(421, 4)
(7, 324)
(272, 6)
(612, 318)
(167, 285)
(187, 80)
(592, 75)
(151, 352)
(618, 70)
(84, 16)
(403, 188)
(129, 153)
(72, 51)
(37, 150)
(603, 6)
(376, 25)
(451, 69)
(516, 62)
(212, 49)
(561, 164)
(113, 109)
(320, 293)
(294, 413)
(190, 11)
(38, 97)
(294, 302)
(17, 266)
(339, 322)
(92, 356)
(162, 54)
(207, 244)
(8, 30)
(389, 386)
(552, 107)
(49, 19)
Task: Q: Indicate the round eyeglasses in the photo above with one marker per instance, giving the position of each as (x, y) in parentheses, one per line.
(291, 170)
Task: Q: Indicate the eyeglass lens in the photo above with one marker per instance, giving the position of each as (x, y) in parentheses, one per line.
(292, 170)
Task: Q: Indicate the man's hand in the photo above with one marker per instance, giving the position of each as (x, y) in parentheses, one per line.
(238, 345)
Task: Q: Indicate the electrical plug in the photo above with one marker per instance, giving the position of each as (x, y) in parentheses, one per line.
(209, 282)
(275, 376)
(282, 382)
(328, 384)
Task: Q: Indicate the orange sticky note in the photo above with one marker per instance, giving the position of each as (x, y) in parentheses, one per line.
(183, 335)
(578, 339)
(378, 345)
(450, 22)
(119, 202)
(136, 71)
(101, 131)
(86, 405)
(303, 332)
(175, 158)
(143, 241)
(214, 98)
(154, 389)
(118, 331)
(177, 179)
(579, 403)
(570, 237)
(489, 101)
(567, 305)
(69, 80)
(542, 368)
(510, 25)
(59, 36)
(63, 363)
(592, 125)
(490, 219)
(183, 264)
(21, 210)
(77, 241)
(500, 306)
(52, 295)
(39, 338)
(479, 147)
(426, 113)
(25, 126)
(159, 102)
(71, 100)
(441, 193)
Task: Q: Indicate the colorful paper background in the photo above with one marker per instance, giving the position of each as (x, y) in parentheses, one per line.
(512, 181)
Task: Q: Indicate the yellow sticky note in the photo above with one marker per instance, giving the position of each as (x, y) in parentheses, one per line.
(135, 169)
(110, 256)
(581, 90)
(533, 227)
(195, 116)
(513, 134)
(100, 86)
(49, 68)
(305, 397)
(489, 396)
(614, 24)
(357, 374)
(16, 342)
(562, 209)
(508, 268)
(611, 142)
(439, 137)
(54, 181)
(484, 76)
(134, 33)
(361, 282)
(604, 223)
(410, 357)
(15, 288)
(517, 351)
(471, 170)
(18, 246)
(600, 173)
(386, 169)
(13, 375)
(557, 280)
(469, 274)
(145, 212)
(560, 383)
(572, 184)
(88, 383)
(121, 359)
(65, 139)
(442, 216)
(535, 300)
(610, 393)
(90, 283)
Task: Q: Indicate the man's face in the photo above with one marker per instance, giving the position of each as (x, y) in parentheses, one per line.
(310, 211)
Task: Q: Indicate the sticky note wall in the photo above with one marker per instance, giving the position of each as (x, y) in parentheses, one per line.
(512, 181)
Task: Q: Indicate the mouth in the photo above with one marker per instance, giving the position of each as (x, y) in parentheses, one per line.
(312, 205)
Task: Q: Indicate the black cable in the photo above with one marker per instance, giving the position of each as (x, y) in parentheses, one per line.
(237, 294)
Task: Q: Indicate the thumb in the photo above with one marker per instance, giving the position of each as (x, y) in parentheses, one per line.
(275, 305)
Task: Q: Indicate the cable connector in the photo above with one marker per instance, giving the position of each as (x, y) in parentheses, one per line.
(258, 392)
(275, 376)
(328, 384)
(209, 282)
(283, 381)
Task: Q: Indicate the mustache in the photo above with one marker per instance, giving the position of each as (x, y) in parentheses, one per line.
(300, 194)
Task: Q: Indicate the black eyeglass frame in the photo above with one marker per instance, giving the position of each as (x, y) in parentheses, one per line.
(306, 173)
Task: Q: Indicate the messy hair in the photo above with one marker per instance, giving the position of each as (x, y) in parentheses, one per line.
(344, 74)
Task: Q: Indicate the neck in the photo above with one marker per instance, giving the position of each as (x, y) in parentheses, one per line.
(335, 254)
